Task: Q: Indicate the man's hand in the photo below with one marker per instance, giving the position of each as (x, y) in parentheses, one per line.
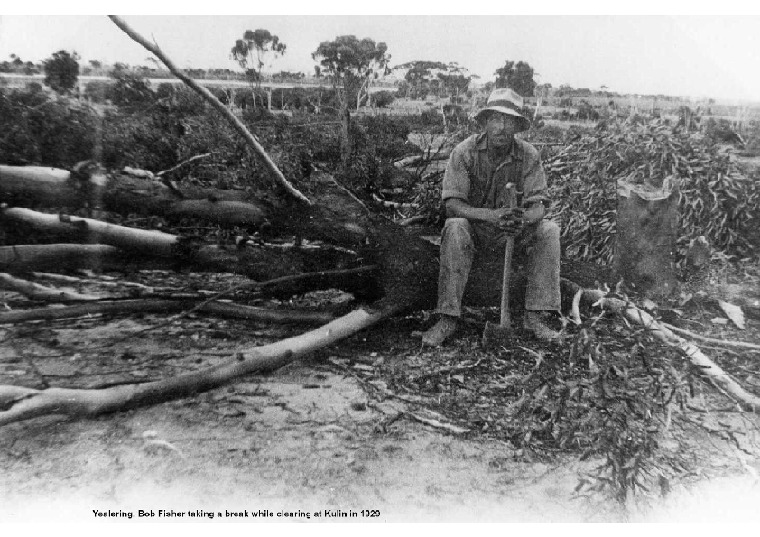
(510, 220)
(498, 217)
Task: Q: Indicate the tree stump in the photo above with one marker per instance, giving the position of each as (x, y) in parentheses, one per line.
(647, 229)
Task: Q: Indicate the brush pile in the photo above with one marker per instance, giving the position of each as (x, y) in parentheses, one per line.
(717, 199)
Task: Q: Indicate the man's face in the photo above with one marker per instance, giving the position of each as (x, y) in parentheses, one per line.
(501, 128)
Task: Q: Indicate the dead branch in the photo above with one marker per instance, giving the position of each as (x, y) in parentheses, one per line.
(156, 305)
(208, 96)
(18, 404)
(36, 291)
(183, 163)
(437, 424)
(701, 361)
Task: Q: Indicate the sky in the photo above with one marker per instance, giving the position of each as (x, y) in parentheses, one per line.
(695, 56)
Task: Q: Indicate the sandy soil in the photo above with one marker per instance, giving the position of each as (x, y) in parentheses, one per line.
(308, 438)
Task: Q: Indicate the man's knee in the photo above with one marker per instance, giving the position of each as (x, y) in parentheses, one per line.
(548, 231)
(457, 230)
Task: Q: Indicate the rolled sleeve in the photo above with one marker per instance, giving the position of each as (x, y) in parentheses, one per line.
(456, 179)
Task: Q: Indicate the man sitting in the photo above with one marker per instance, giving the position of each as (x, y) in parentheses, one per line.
(475, 195)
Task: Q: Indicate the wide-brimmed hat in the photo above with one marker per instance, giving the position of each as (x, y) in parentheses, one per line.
(506, 101)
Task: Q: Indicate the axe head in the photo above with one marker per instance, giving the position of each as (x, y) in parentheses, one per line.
(496, 335)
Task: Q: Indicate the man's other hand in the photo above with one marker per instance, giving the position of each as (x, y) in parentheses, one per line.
(498, 217)
(511, 220)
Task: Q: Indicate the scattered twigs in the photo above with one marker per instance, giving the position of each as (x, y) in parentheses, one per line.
(208, 96)
(36, 291)
(714, 341)
(394, 204)
(701, 361)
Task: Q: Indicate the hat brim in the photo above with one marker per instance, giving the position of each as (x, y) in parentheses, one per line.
(504, 110)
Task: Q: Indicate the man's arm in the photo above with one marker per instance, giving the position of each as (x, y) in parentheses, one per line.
(458, 208)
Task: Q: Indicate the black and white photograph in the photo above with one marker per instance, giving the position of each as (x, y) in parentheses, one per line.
(338, 267)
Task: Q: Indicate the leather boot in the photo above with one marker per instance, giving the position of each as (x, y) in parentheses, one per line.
(442, 330)
(535, 323)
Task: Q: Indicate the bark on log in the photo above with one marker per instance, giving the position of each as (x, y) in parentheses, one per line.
(88, 230)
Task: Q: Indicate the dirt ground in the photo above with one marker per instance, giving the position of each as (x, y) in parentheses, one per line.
(314, 436)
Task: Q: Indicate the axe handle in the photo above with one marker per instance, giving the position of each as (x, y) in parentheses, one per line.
(506, 320)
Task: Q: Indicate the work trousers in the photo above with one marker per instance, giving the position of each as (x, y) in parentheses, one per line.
(537, 244)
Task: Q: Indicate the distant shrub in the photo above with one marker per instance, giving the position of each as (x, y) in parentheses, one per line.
(96, 91)
(129, 89)
(38, 129)
(383, 99)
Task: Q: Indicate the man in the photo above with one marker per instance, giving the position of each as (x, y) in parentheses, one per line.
(474, 193)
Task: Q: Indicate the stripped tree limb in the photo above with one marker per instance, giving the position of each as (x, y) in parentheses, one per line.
(18, 403)
(208, 96)
(155, 305)
(36, 291)
(714, 341)
(697, 358)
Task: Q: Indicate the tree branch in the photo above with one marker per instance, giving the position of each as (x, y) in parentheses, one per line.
(701, 361)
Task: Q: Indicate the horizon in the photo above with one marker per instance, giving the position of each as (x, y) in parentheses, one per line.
(679, 56)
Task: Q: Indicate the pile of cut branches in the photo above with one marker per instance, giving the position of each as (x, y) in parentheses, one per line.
(717, 199)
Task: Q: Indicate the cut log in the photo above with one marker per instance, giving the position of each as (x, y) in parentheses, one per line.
(647, 229)
(88, 230)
